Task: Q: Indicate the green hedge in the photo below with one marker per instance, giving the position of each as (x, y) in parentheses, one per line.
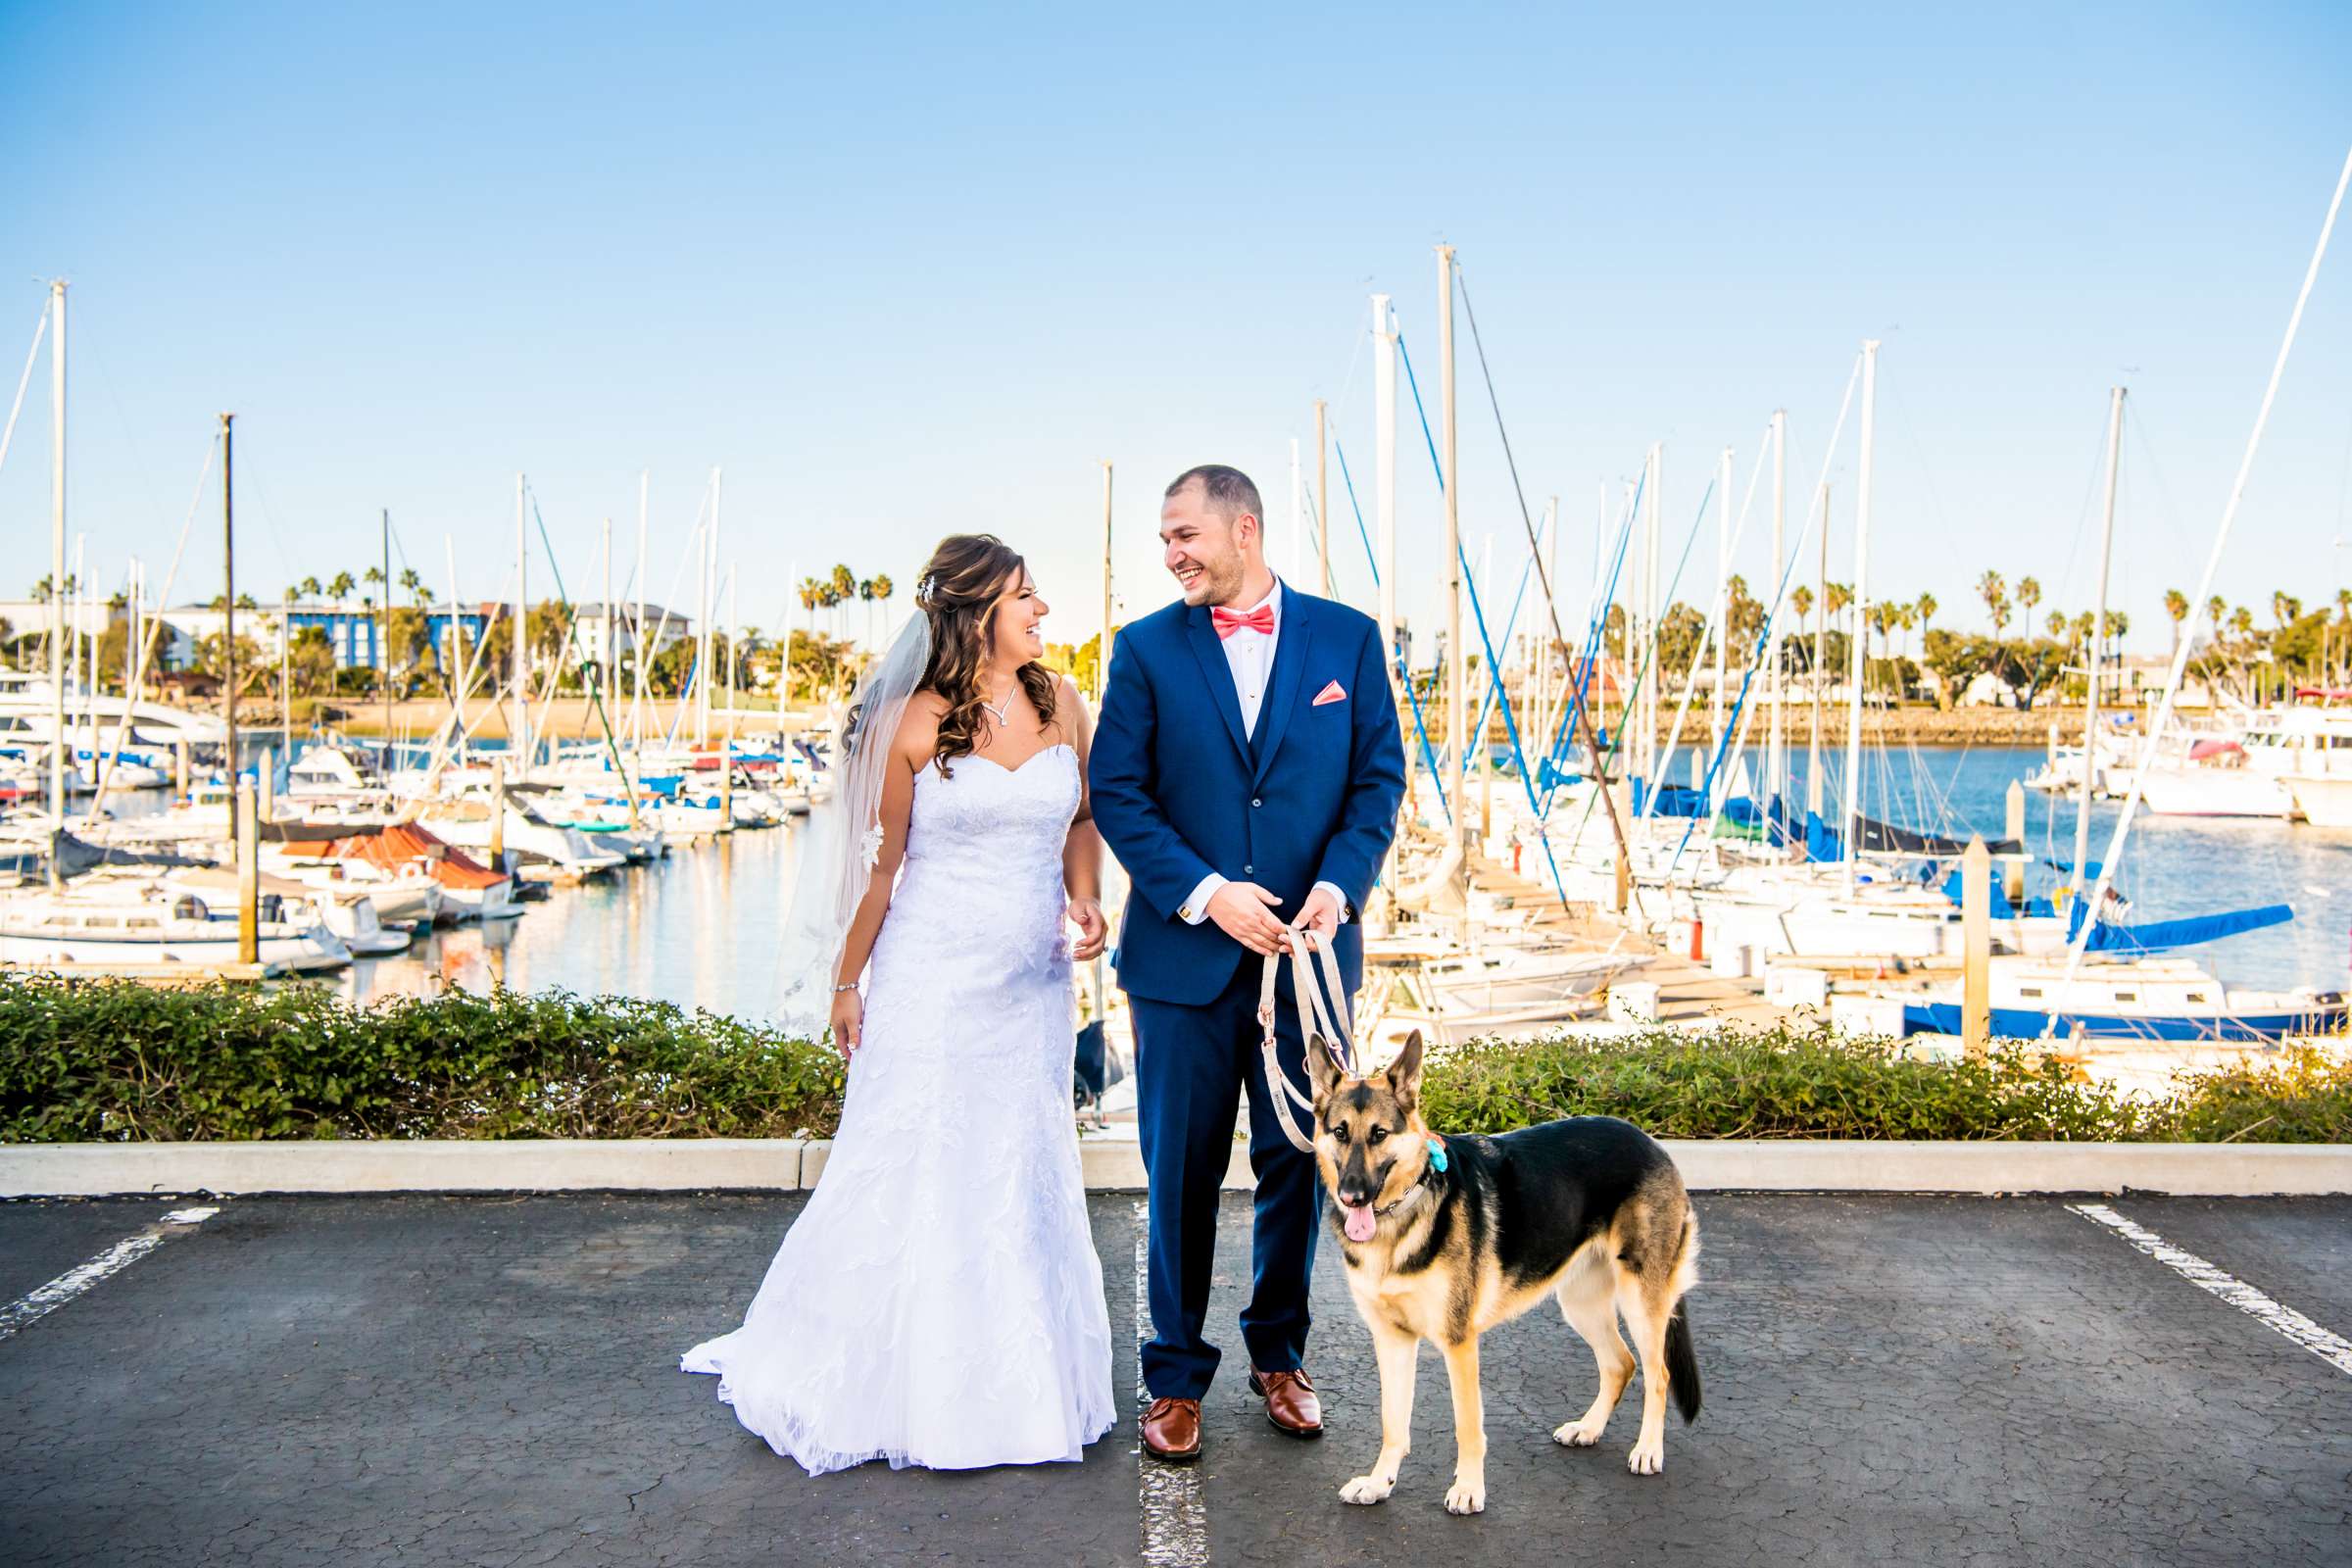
(108, 1059)
(1796, 1082)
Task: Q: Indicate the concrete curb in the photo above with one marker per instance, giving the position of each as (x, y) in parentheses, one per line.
(405, 1165)
(1115, 1165)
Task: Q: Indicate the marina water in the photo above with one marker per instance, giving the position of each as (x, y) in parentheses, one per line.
(700, 927)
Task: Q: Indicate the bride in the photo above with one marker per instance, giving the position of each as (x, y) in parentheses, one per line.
(939, 1303)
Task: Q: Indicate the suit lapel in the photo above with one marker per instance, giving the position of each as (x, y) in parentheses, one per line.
(1281, 687)
(1218, 675)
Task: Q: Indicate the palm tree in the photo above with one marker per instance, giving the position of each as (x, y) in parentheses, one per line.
(2029, 594)
(865, 592)
(413, 581)
(2058, 624)
(1995, 594)
(1836, 597)
(883, 589)
(2286, 606)
(342, 585)
(1927, 607)
(1800, 598)
(308, 588)
(2176, 606)
(844, 584)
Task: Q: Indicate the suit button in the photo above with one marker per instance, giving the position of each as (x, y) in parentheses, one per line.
(1249, 871)
(1255, 803)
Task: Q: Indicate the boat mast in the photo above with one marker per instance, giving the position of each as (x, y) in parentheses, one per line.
(603, 651)
(1541, 706)
(1102, 646)
(637, 635)
(1323, 496)
(56, 582)
(2099, 634)
(229, 600)
(1456, 666)
(702, 684)
(383, 652)
(1861, 608)
(2221, 541)
(285, 670)
(1821, 633)
(130, 641)
(1384, 468)
(726, 744)
(459, 659)
(1723, 590)
(1648, 687)
(519, 740)
(1776, 745)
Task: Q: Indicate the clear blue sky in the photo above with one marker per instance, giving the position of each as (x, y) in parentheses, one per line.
(910, 272)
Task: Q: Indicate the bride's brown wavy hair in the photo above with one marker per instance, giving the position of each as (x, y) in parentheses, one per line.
(958, 590)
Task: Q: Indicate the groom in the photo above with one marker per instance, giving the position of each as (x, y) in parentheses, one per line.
(1247, 770)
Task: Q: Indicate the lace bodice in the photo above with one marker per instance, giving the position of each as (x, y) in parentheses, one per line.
(982, 871)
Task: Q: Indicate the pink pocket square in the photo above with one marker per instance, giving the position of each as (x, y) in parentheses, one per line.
(1330, 694)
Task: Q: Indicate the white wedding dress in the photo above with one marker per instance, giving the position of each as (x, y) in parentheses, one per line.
(939, 1302)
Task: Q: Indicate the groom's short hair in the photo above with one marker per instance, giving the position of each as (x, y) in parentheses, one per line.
(1224, 491)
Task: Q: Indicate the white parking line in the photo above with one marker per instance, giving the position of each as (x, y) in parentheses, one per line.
(2331, 1348)
(116, 1258)
(1175, 1512)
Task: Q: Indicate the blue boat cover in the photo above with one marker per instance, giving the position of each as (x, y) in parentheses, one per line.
(2158, 936)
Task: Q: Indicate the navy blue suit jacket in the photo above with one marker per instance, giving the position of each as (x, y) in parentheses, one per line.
(1180, 790)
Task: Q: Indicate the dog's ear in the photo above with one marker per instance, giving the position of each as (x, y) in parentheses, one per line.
(1321, 1070)
(1404, 1073)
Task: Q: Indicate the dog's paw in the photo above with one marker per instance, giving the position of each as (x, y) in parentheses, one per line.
(1466, 1496)
(1649, 1457)
(1366, 1489)
(1578, 1434)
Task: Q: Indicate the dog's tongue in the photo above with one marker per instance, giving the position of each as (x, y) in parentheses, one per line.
(1359, 1223)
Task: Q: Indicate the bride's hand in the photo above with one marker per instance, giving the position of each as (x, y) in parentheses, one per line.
(1094, 931)
(848, 1020)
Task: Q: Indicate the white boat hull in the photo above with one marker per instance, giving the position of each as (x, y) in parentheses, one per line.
(2214, 792)
(2322, 799)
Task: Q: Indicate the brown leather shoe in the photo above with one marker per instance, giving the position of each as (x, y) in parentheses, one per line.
(1290, 1402)
(1172, 1430)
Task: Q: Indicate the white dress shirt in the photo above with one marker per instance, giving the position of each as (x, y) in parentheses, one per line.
(1250, 656)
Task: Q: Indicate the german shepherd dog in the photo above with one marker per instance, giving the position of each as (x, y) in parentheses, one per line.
(1446, 1238)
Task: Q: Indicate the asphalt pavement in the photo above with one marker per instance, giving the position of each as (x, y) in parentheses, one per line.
(493, 1381)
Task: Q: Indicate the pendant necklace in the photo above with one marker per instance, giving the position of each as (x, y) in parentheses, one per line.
(1002, 710)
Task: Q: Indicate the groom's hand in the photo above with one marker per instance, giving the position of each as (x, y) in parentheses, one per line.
(1321, 911)
(1240, 911)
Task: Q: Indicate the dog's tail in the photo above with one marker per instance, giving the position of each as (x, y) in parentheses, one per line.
(1682, 1362)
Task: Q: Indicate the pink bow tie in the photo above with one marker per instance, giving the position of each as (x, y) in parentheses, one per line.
(1229, 622)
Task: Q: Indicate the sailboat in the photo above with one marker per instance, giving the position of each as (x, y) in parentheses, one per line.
(2144, 998)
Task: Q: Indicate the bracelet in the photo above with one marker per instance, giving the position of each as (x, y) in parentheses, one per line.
(852, 986)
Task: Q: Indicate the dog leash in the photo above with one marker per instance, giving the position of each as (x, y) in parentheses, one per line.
(1319, 1013)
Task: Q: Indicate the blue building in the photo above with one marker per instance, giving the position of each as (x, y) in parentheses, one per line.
(354, 631)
